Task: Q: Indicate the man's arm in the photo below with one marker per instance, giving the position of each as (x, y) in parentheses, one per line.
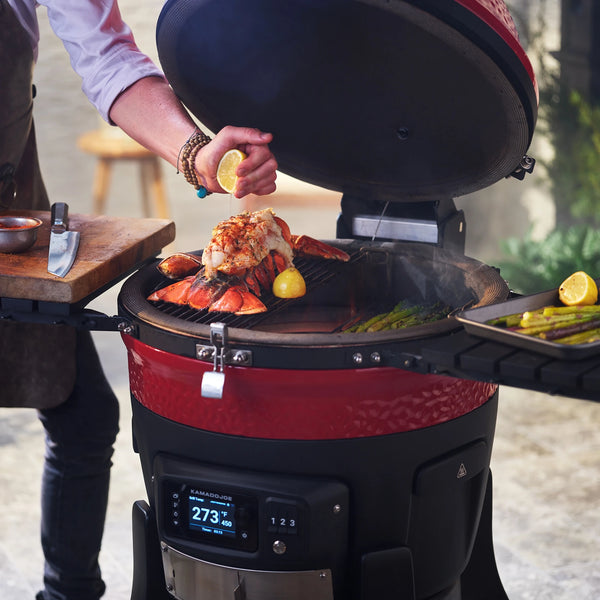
(149, 112)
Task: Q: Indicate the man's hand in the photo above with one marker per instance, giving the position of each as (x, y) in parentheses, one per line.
(257, 172)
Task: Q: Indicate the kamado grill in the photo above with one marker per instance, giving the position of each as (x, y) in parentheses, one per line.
(282, 457)
(318, 467)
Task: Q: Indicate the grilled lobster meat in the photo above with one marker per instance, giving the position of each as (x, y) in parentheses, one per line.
(242, 259)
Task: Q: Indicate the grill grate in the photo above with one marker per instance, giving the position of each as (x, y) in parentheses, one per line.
(316, 273)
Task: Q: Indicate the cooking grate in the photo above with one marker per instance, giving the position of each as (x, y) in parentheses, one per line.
(316, 273)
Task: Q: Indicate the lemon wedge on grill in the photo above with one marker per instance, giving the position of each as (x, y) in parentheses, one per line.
(226, 170)
(579, 289)
(289, 284)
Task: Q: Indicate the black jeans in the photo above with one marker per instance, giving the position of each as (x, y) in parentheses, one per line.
(79, 445)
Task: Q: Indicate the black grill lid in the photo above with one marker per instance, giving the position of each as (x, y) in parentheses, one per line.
(387, 99)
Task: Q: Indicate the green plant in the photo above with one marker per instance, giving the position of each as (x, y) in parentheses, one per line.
(571, 124)
(585, 202)
(537, 265)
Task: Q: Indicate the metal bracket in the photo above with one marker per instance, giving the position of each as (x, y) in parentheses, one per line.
(435, 222)
(229, 356)
(30, 311)
(525, 166)
(213, 382)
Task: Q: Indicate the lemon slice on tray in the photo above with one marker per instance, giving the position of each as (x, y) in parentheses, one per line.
(226, 170)
(579, 289)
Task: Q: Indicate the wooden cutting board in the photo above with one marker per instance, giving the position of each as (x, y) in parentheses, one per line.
(109, 247)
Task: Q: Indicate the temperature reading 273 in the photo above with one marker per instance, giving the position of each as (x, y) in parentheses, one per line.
(210, 515)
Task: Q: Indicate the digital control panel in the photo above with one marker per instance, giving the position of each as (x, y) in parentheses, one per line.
(275, 518)
(212, 515)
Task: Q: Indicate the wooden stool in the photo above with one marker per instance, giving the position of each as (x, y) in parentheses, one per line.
(110, 147)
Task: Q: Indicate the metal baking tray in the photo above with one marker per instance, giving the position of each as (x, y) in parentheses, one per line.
(474, 320)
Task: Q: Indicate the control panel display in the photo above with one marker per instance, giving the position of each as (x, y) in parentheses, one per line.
(211, 515)
(245, 518)
(208, 515)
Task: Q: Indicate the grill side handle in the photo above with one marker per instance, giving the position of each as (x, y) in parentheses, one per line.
(87, 319)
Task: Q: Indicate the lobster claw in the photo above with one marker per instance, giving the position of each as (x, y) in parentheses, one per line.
(305, 245)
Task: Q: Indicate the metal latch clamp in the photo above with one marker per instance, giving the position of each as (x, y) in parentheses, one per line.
(231, 356)
(213, 381)
(218, 351)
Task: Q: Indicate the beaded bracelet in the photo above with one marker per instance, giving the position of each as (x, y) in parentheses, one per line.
(187, 158)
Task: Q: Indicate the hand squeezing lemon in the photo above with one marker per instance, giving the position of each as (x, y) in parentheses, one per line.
(579, 289)
(226, 170)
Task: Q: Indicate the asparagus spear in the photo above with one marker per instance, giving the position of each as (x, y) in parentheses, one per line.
(537, 320)
(360, 327)
(564, 324)
(418, 320)
(363, 326)
(567, 310)
(584, 337)
(540, 325)
(507, 320)
(427, 315)
(392, 317)
(402, 315)
(565, 331)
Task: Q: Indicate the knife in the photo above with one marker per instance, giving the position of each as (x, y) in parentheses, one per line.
(63, 243)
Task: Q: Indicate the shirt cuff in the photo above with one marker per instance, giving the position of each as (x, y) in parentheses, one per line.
(105, 91)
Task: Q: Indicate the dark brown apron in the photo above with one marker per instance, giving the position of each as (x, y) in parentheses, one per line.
(37, 362)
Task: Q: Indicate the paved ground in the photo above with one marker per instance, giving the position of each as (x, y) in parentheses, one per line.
(546, 459)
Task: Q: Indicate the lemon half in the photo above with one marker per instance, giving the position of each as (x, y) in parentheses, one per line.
(226, 170)
(289, 284)
(579, 289)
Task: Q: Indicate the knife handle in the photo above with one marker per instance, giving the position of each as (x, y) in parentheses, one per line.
(59, 217)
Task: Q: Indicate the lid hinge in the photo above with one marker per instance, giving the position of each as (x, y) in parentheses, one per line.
(525, 166)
